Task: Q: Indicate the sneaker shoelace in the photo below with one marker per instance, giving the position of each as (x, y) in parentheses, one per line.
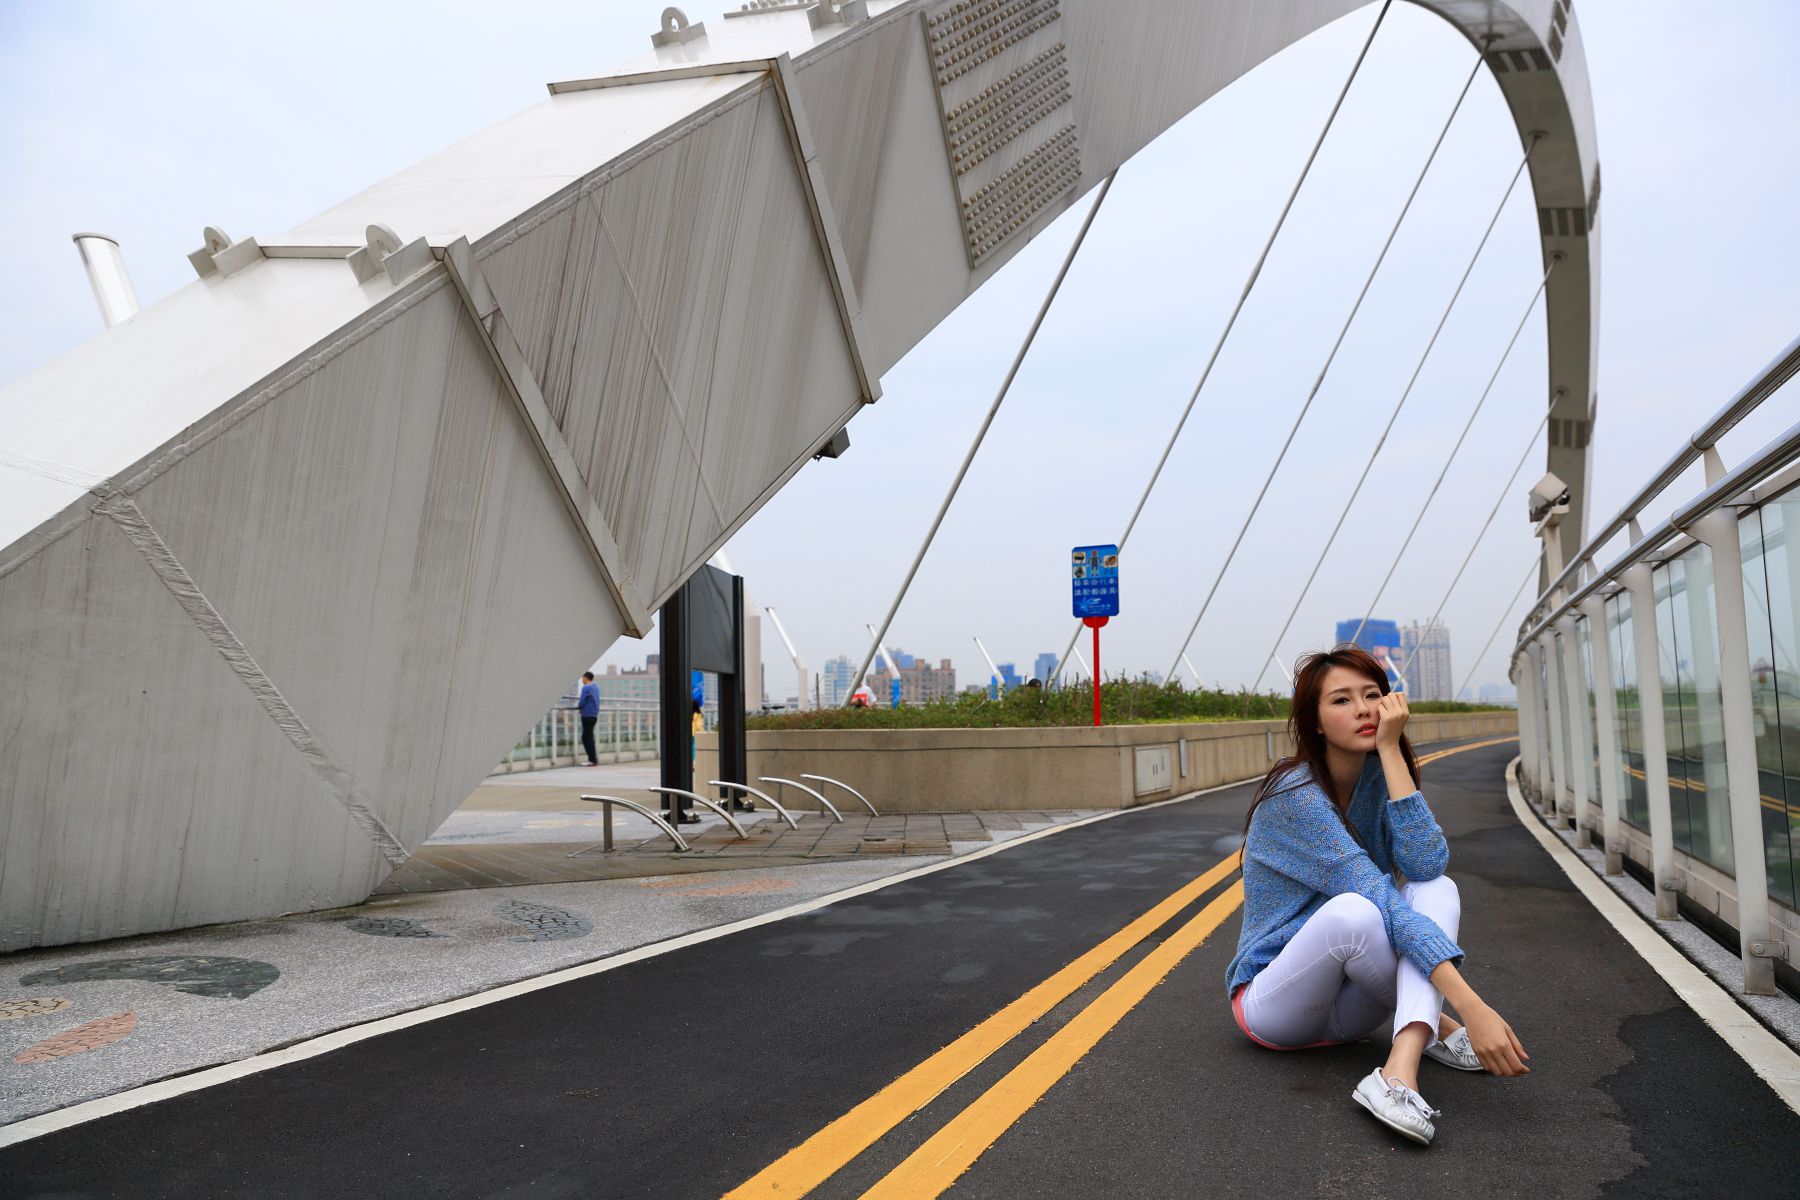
(1412, 1100)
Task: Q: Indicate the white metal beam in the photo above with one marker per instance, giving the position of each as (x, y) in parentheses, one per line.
(503, 347)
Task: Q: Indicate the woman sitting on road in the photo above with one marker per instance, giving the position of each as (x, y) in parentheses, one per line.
(1332, 950)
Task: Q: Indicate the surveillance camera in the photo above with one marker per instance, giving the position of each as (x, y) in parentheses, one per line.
(1547, 495)
(840, 442)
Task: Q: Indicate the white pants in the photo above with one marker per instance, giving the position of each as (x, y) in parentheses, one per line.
(1339, 979)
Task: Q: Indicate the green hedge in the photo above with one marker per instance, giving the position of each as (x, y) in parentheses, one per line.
(1122, 702)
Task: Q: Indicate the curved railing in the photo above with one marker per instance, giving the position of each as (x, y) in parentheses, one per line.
(1660, 673)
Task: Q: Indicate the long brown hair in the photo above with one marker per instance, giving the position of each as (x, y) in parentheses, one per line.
(1309, 738)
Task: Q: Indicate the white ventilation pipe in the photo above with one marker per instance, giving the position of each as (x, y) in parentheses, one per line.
(106, 271)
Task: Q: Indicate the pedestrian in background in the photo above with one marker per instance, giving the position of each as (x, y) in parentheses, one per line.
(694, 742)
(590, 715)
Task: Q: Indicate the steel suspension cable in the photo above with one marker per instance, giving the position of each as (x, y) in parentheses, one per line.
(993, 409)
(1394, 416)
(1504, 613)
(1485, 525)
(1467, 425)
(1238, 308)
(1329, 359)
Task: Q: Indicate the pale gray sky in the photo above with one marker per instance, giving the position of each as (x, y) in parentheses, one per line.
(148, 122)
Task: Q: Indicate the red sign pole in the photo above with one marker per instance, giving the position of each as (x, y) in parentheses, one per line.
(1094, 623)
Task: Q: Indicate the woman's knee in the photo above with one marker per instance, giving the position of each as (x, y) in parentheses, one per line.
(1440, 893)
(1353, 911)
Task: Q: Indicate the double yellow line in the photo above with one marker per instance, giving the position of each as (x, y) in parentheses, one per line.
(1768, 801)
(809, 1164)
(934, 1166)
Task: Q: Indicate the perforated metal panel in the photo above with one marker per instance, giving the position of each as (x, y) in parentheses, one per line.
(1004, 94)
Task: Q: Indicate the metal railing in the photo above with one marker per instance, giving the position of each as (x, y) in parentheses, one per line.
(1570, 691)
(627, 730)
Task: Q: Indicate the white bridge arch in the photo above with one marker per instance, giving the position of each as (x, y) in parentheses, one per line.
(288, 559)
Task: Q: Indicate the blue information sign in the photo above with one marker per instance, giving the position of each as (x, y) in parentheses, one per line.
(1096, 579)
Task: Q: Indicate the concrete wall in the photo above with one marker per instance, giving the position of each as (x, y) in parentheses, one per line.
(1041, 768)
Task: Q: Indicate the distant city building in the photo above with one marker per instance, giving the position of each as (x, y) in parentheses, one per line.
(634, 683)
(634, 687)
(920, 683)
(834, 681)
(1009, 676)
(1044, 667)
(1379, 638)
(1428, 649)
(901, 658)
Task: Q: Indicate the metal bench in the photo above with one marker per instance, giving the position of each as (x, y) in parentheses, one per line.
(712, 804)
(847, 788)
(763, 796)
(816, 795)
(606, 832)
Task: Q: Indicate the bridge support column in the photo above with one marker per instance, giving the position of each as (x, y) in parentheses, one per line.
(1606, 729)
(1540, 716)
(1528, 757)
(1656, 747)
(1554, 806)
(1581, 750)
(1719, 530)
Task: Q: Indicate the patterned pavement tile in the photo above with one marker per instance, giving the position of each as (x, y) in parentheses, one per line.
(547, 923)
(13, 1010)
(198, 975)
(80, 1039)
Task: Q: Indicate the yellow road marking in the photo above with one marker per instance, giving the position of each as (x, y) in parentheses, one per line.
(815, 1160)
(819, 1157)
(1768, 801)
(1433, 757)
(933, 1167)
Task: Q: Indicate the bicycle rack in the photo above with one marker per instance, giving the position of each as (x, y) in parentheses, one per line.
(712, 804)
(816, 795)
(847, 788)
(763, 796)
(606, 836)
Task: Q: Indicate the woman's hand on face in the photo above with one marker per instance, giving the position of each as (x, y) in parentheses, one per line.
(1390, 719)
(1495, 1044)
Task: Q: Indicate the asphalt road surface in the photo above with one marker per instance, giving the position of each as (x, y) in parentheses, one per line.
(1047, 1021)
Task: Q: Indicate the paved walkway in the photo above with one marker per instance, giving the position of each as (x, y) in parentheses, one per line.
(532, 828)
(1049, 1020)
(641, 850)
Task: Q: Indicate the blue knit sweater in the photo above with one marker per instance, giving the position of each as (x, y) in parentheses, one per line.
(1299, 855)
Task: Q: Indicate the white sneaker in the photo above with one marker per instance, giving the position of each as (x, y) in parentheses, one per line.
(1455, 1051)
(1397, 1106)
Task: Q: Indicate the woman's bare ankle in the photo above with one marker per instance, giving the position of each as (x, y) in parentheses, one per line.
(1403, 1057)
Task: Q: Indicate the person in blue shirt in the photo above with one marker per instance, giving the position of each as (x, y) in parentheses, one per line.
(590, 715)
(1333, 948)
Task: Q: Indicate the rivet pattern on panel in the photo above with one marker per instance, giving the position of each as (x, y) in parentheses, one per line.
(1005, 97)
(1001, 112)
(972, 32)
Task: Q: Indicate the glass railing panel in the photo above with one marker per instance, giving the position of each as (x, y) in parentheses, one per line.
(1591, 713)
(1628, 713)
(1772, 603)
(1701, 800)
